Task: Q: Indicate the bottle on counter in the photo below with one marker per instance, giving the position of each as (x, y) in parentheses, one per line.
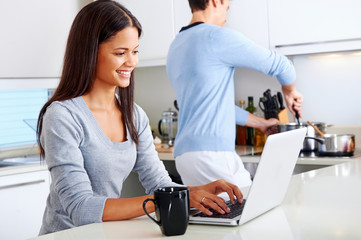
(241, 134)
(259, 138)
(249, 130)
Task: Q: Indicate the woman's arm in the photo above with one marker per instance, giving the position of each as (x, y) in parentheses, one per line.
(201, 197)
(126, 208)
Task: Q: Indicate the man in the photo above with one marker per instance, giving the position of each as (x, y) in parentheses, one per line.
(200, 66)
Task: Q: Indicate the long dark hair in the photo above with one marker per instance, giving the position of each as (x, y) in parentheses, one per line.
(93, 25)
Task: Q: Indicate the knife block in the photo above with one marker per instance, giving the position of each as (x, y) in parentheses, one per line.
(283, 116)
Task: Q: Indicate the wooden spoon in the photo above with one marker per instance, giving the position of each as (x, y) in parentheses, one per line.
(317, 130)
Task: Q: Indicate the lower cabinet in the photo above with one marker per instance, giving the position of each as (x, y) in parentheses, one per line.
(22, 203)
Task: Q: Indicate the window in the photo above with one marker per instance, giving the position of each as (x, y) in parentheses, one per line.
(19, 111)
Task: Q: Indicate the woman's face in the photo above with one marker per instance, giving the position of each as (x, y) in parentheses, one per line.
(117, 58)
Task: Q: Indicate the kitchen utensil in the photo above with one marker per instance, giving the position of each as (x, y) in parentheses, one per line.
(317, 130)
(167, 126)
(308, 144)
(282, 115)
(297, 117)
(335, 144)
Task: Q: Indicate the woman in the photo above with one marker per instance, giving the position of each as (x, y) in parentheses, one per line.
(92, 134)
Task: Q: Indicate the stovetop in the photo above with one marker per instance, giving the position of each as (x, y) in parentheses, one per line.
(313, 154)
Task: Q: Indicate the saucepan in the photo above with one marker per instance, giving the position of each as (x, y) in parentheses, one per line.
(308, 144)
(335, 144)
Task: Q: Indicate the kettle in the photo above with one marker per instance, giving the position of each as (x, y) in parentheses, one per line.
(167, 126)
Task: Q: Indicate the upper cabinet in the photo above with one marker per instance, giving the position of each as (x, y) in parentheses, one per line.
(157, 18)
(33, 36)
(250, 18)
(159, 30)
(313, 26)
(182, 14)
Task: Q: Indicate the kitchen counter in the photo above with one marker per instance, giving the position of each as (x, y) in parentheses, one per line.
(24, 168)
(320, 204)
(250, 154)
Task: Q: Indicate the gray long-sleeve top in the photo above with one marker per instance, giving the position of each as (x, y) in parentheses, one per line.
(87, 168)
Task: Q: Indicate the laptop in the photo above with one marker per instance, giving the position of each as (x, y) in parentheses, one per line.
(270, 183)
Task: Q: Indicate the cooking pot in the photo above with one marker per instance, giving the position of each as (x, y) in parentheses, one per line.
(335, 144)
(308, 144)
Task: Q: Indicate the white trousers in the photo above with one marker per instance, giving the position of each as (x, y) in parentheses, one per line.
(202, 167)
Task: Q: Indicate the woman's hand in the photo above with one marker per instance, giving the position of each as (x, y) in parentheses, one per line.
(205, 196)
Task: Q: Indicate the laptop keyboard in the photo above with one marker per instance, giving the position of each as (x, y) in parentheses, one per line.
(236, 210)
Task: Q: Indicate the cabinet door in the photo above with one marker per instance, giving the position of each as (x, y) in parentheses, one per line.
(250, 18)
(156, 18)
(33, 36)
(297, 23)
(22, 204)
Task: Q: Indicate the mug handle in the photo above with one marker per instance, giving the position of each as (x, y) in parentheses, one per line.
(145, 210)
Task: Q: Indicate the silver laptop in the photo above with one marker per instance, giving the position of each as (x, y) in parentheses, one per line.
(274, 172)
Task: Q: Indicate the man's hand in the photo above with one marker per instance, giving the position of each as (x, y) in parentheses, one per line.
(293, 98)
(265, 125)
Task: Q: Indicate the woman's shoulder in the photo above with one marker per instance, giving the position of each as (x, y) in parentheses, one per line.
(63, 109)
(139, 112)
(140, 117)
(61, 106)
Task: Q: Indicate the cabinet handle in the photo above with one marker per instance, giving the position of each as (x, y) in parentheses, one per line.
(23, 184)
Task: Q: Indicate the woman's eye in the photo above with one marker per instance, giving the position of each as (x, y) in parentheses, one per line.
(119, 54)
(135, 52)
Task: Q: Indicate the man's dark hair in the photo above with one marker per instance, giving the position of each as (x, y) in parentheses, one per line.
(198, 4)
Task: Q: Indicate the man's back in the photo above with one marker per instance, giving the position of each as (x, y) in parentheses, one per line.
(204, 88)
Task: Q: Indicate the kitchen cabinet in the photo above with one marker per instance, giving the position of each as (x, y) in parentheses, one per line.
(157, 20)
(308, 26)
(250, 18)
(182, 14)
(33, 36)
(22, 203)
(159, 30)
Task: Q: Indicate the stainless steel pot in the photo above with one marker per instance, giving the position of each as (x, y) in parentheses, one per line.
(308, 144)
(335, 144)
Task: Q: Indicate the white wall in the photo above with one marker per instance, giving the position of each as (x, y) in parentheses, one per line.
(153, 92)
(330, 83)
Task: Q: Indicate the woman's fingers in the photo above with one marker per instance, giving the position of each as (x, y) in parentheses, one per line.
(216, 203)
(232, 190)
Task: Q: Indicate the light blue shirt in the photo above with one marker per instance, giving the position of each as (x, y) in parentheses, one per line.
(200, 66)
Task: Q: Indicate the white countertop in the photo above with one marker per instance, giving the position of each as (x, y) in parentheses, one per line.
(320, 204)
(25, 168)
